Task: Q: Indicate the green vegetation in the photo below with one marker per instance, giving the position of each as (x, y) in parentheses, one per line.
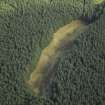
(98, 1)
(4, 7)
(26, 27)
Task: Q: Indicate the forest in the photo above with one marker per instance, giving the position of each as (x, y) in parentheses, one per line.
(26, 28)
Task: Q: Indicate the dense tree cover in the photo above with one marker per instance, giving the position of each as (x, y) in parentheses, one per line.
(26, 27)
